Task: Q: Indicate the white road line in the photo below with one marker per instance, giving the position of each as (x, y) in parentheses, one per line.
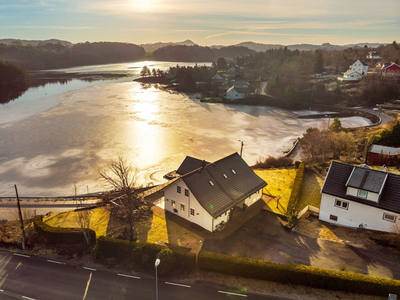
(87, 286)
(56, 262)
(27, 298)
(1, 290)
(234, 294)
(23, 255)
(128, 276)
(178, 284)
(86, 268)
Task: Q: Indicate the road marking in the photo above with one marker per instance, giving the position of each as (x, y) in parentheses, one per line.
(178, 284)
(1, 290)
(234, 294)
(128, 276)
(55, 262)
(20, 263)
(86, 268)
(23, 255)
(27, 298)
(87, 286)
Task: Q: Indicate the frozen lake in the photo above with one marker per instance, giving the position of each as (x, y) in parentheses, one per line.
(49, 142)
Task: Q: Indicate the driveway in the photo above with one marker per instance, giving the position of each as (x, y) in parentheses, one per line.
(263, 237)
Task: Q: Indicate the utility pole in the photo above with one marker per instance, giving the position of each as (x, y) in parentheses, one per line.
(20, 219)
(241, 147)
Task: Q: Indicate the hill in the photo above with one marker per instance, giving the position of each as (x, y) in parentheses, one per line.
(13, 81)
(34, 42)
(150, 48)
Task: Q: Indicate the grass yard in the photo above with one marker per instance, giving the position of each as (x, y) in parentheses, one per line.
(98, 220)
(280, 183)
(310, 193)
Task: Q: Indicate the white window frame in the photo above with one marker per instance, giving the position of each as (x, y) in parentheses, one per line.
(186, 192)
(182, 207)
(361, 196)
(333, 217)
(340, 204)
(194, 212)
(173, 203)
(389, 220)
(178, 189)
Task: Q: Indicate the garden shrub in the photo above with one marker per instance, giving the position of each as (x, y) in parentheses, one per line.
(61, 235)
(297, 274)
(167, 261)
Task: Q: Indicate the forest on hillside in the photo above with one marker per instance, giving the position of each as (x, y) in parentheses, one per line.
(54, 56)
(182, 53)
(13, 81)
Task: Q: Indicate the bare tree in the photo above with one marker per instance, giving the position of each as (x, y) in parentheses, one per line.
(82, 219)
(122, 177)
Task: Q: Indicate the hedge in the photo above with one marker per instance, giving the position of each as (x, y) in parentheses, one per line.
(141, 255)
(61, 235)
(297, 274)
(296, 186)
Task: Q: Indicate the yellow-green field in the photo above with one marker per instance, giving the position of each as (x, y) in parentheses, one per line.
(310, 193)
(280, 183)
(98, 220)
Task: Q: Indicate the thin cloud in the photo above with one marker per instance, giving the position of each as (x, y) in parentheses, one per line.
(53, 27)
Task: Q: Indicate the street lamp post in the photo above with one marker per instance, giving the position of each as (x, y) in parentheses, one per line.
(156, 265)
(241, 147)
(329, 119)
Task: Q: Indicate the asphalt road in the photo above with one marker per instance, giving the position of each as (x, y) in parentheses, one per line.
(33, 278)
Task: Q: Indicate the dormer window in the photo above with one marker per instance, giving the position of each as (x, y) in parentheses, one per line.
(362, 193)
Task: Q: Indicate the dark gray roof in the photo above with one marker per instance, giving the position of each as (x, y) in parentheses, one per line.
(232, 182)
(338, 175)
(190, 164)
(367, 179)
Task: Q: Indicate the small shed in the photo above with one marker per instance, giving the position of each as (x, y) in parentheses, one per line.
(383, 155)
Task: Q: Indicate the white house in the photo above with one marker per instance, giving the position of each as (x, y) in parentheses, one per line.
(374, 55)
(234, 93)
(359, 67)
(217, 78)
(360, 197)
(350, 75)
(205, 196)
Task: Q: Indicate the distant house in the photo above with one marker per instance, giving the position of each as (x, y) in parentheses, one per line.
(234, 93)
(217, 79)
(207, 195)
(240, 83)
(391, 69)
(359, 67)
(349, 76)
(360, 197)
(374, 55)
(382, 155)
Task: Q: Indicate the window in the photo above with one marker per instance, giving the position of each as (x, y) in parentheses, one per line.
(362, 193)
(178, 189)
(192, 211)
(389, 217)
(182, 207)
(224, 175)
(233, 171)
(212, 183)
(342, 204)
(173, 203)
(186, 192)
(333, 218)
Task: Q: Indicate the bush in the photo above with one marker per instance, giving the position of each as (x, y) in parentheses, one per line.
(296, 187)
(167, 261)
(143, 255)
(273, 162)
(297, 274)
(60, 235)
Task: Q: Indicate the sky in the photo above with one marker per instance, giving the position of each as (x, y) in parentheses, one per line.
(205, 22)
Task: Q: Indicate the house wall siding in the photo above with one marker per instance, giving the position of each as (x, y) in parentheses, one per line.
(360, 68)
(201, 217)
(370, 196)
(356, 214)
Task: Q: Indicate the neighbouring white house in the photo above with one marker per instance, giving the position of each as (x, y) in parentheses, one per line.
(359, 67)
(217, 78)
(234, 93)
(207, 195)
(360, 197)
(373, 55)
(349, 76)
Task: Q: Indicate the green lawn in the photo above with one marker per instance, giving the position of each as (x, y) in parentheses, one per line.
(280, 183)
(310, 193)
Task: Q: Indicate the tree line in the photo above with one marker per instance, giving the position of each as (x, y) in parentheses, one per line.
(13, 81)
(54, 56)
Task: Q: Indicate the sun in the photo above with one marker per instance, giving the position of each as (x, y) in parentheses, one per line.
(143, 5)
